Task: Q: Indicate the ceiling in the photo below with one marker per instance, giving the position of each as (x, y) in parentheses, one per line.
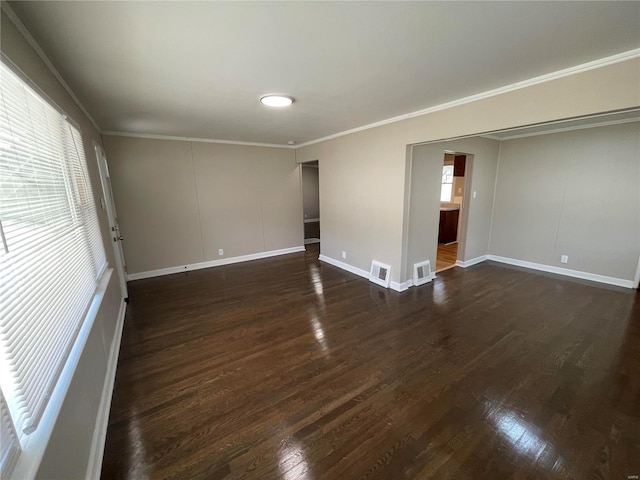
(197, 69)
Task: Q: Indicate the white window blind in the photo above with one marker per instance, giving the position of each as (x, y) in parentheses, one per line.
(9, 444)
(51, 251)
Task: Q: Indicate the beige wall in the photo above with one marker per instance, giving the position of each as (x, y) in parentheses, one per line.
(179, 202)
(424, 204)
(68, 451)
(310, 192)
(575, 193)
(362, 175)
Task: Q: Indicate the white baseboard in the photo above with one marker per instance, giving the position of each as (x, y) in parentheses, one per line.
(307, 241)
(398, 287)
(102, 418)
(594, 277)
(401, 287)
(213, 263)
(344, 266)
(473, 261)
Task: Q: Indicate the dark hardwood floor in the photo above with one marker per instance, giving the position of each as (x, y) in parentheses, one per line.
(289, 368)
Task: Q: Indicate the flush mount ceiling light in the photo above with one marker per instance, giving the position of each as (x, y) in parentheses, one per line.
(276, 100)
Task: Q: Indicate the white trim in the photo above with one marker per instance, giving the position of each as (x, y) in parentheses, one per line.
(33, 450)
(311, 220)
(473, 261)
(594, 277)
(102, 418)
(397, 286)
(344, 266)
(308, 241)
(213, 263)
(562, 129)
(603, 62)
(401, 287)
(6, 8)
(194, 139)
(636, 278)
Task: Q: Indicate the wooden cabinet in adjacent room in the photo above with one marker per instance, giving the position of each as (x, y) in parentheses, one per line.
(448, 231)
(459, 164)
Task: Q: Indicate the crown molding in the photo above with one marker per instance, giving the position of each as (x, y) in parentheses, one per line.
(620, 57)
(194, 139)
(11, 14)
(561, 129)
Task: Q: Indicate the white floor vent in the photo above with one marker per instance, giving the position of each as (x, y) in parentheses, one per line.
(380, 274)
(421, 273)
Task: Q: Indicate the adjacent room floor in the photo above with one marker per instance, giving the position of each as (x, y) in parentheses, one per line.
(290, 368)
(446, 256)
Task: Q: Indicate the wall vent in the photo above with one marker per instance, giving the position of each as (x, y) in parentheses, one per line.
(380, 273)
(421, 273)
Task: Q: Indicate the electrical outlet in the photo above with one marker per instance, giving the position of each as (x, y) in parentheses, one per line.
(475, 194)
(564, 258)
(220, 251)
(344, 254)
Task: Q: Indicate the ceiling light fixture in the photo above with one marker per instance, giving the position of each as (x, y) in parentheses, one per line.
(276, 100)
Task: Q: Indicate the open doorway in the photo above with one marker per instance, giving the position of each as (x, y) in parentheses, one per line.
(311, 204)
(451, 204)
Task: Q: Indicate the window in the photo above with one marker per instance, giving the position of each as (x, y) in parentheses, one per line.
(51, 253)
(447, 183)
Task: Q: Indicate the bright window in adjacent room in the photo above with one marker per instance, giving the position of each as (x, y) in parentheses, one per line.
(447, 183)
(51, 254)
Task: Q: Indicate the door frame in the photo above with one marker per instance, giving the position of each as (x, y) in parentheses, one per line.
(114, 229)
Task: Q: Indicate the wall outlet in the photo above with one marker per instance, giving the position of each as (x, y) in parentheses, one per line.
(344, 254)
(220, 251)
(475, 194)
(564, 258)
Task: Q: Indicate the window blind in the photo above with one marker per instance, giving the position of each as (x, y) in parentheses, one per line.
(9, 444)
(51, 256)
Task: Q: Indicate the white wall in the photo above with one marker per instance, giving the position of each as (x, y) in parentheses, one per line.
(362, 179)
(179, 202)
(68, 451)
(575, 193)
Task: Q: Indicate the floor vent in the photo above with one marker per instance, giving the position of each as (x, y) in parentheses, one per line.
(380, 273)
(421, 273)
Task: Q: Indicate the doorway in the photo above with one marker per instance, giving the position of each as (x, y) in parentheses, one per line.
(114, 229)
(451, 204)
(310, 172)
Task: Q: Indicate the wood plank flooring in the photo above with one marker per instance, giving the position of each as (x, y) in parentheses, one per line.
(289, 368)
(447, 256)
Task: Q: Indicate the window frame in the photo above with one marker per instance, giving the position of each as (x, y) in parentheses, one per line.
(31, 447)
(443, 183)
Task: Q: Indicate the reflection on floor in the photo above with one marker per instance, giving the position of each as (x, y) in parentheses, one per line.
(447, 256)
(290, 368)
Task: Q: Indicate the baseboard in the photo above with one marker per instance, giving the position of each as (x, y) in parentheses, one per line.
(344, 266)
(213, 263)
(307, 241)
(594, 277)
(473, 261)
(397, 286)
(401, 287)
(102, 418)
